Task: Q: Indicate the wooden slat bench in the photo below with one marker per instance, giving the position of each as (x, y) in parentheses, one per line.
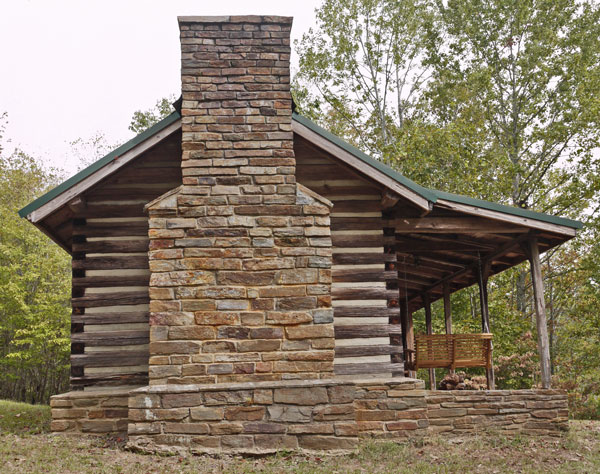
(451, 351)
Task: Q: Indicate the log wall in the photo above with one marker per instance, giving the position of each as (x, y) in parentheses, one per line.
(363, 305)
(109, 324)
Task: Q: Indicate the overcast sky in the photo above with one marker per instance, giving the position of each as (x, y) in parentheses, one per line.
(69, 69)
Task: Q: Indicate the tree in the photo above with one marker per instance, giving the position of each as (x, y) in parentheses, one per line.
(34, 290)
(143, 120)
(364, 68)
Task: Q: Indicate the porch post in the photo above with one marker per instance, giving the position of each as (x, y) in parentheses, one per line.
(408, 336)
(447, 311)
(429, 326)
(485, 317)
(540, 309)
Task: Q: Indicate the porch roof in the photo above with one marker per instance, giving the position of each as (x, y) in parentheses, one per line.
(442, 243)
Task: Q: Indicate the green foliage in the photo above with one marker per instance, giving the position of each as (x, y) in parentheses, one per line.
(504, 104)
(143, 120)
(34, 290)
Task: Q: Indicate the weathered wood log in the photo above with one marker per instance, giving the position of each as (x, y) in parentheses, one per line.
(139, 262)
(112, 338)
(112, 210)
(356, 223)
(454, 224)
(111, 318)
(356, 241)
(366, 368)
(112, 229)
(110, 359)
(363, 294)
(112, 246)
(363, 312)
(111, 299)
(366, 330)
(349, 275)
(111, 281)
(363, 351)
(361, 258)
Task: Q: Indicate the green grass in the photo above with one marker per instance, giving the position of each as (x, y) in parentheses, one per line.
(23, 419)
(21, 450)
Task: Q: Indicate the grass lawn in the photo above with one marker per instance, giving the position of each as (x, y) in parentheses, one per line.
(26, 446)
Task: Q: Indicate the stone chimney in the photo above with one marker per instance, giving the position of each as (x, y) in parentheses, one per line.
(240, 254)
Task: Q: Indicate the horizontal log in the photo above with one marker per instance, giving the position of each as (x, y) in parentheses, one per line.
(108, 380)
(112, 229)
(350, 191)
(364, 312)
(139, 262)
(112, 246)
(112, 338)
(111, 299)
(111, 281)
(356, 223)
(357, 240)
(366, 330)
(367, 368)
(362, 258)
(364, 294)
(464, 225)
(357, 206)
(363, 275)
(110, 359)
(365, 351)
(111, 210)
(111, 318)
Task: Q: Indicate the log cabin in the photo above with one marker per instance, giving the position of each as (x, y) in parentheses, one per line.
(237, 242)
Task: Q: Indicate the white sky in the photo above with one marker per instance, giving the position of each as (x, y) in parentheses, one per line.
(69, 69)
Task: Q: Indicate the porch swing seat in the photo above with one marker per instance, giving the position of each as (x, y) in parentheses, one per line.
(438, 351)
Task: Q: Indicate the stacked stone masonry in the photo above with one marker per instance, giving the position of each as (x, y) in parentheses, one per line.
(543, 412)
(240, 254)
(94, 412)
(264, 417)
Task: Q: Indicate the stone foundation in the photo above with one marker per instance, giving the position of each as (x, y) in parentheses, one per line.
(543, 412)
(99, 412)
(265, 417)
(307, 415)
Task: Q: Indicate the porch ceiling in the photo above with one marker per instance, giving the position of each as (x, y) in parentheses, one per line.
(449, 248)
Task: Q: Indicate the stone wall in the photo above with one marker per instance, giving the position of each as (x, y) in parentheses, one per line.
(266, 417)
(240, 255)
(543, 412)
(94, 412)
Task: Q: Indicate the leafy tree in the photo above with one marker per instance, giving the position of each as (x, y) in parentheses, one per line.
(143, 120)
(34, 290)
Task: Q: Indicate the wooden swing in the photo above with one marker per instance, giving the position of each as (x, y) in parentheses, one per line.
(438, 351)
(451, 351)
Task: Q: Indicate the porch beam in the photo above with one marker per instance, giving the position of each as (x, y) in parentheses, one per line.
(461, 225)
(488, 258)
(540, 309)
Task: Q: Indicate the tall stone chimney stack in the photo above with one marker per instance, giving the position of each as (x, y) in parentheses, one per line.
(240, 254)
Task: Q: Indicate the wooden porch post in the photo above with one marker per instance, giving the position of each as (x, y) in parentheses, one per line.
(408, 336)
(429, 326)
(540, 309)
(447, 311)
(485, 317)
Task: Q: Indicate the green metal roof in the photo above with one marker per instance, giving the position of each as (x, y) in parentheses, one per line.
(429, 194)
(417, 188)
(113, 155)
(433, 195)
